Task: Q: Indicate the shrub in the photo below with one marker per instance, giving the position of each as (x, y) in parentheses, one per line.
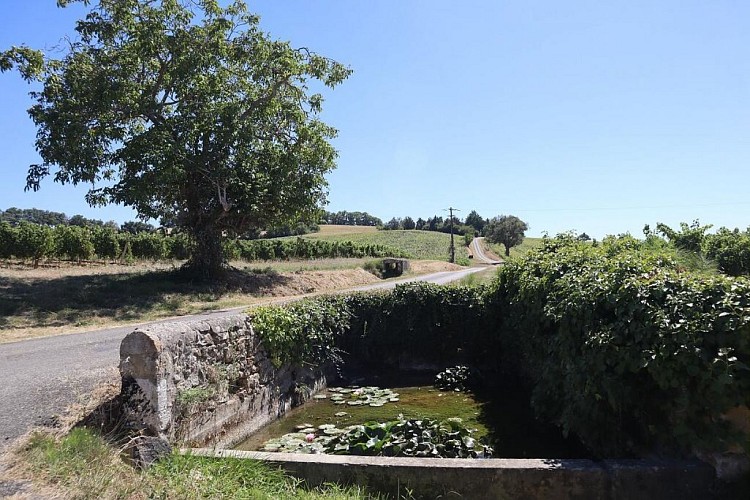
(106, 243)
(34, 242)
(148, 246)
(622, 347)
(73, 242)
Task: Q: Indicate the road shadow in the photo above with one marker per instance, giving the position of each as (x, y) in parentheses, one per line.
(73, 300)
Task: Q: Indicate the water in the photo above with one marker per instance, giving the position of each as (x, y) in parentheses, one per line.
(502, 418)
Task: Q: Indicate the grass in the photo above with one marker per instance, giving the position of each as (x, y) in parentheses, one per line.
(82, 464)
(479, 278)
(423, 245)
(528, 244)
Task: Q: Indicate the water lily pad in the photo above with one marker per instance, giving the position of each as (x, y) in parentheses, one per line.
(323, 427)
(320, 396)
(340, 414)
(302, 426)
(376, 404)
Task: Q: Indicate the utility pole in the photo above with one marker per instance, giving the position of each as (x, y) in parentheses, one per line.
(450, 223)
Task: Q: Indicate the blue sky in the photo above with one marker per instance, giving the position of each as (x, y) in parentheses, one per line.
(589, 116)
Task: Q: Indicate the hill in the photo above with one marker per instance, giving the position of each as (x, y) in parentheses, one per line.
(423, 245)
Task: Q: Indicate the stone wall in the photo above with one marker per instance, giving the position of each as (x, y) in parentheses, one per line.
(207, 382)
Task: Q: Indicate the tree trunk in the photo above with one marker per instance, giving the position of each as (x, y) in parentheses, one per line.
(207, 261)
(507, 251)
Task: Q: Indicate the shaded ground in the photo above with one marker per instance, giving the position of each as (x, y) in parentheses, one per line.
(65, 298)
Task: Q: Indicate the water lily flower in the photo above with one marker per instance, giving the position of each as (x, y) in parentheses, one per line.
(310, 437)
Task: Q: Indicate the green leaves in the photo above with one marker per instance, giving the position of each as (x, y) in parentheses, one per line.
(191, 110)
(623, 346)
(411, 438)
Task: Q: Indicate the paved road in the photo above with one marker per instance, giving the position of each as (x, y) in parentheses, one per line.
(42, 377)
(477, 248)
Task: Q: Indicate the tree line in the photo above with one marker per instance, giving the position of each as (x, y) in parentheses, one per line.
(345, 218)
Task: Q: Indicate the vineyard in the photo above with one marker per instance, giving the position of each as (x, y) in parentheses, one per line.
(37, 242)
(426, 245)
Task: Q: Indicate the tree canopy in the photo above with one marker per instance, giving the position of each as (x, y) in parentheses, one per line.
(507, 230)
(187, 111)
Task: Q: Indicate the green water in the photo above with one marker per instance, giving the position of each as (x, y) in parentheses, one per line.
(502, 416)
(414, 402)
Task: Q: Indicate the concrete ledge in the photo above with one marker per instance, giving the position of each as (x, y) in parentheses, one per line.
(495, 478)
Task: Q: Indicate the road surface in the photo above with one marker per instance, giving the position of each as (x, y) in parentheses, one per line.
(42, 377)
(480, 255)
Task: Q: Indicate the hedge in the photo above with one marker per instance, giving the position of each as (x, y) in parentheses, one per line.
(618, 344)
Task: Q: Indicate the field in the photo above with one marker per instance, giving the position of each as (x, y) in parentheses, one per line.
(528, 244)
(422, 245)
(334, 229)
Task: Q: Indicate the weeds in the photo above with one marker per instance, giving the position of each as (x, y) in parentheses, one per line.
(84, 465)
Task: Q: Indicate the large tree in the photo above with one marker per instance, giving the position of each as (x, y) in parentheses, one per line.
(507, 230)
(184, 110)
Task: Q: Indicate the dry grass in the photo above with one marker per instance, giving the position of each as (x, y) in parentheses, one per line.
(334, 229)
(49, 301)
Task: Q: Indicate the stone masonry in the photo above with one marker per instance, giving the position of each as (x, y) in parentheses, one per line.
(207, 382)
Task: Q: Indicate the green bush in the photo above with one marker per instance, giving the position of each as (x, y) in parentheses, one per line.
(106, 244)
(304, 332)
(730, 250)
(148, 246)
(34, 242)
(8, 236)
(622, 347)
(73, 242)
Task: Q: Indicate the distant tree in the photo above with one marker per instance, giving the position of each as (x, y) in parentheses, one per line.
(584, 237)
(507, 230)
(34, 215)
(81, 221)
(135, 227)
(420, 224)
(350, 218)
(393, 224)
(435, 223)
(408, 223)
(188, 109)
(476, 221)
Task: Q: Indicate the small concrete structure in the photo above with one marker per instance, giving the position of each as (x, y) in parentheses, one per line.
(496, 478)
(395, 267)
